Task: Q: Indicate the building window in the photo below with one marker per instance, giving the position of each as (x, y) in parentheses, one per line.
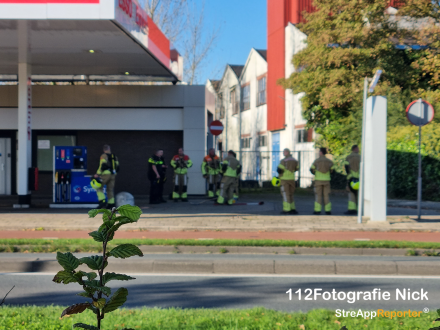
(246, 142)
(262, 141)
(220, 108)
(245, 90)
(303, 136)
(45, 144)
(261, 96)
(234, 102)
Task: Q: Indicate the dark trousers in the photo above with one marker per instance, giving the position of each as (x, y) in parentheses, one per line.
(156, 190)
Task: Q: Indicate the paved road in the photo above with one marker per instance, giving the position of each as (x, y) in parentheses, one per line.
(227, 291)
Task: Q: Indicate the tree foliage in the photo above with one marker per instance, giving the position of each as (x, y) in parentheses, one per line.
(348, 40)
(93, 283)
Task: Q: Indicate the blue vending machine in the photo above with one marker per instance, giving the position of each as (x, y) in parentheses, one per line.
(71, 184)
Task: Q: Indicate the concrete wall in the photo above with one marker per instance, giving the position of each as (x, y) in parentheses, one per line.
(133, 109)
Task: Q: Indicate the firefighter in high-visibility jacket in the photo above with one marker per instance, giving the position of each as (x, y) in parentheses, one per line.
(352, 167)
(286, 170)
(231, 169)
(108, 167)
(181, 163)
(321, 168)
(211, 172)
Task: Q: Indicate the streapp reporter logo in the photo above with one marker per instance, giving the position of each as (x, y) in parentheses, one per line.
(378, 313)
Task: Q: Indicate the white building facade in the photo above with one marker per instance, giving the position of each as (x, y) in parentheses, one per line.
(241, 105)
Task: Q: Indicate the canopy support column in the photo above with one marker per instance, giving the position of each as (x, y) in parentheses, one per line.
(24, 115)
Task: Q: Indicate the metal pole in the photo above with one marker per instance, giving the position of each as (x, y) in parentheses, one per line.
(419, 177)
(361, 171)
(300, 167)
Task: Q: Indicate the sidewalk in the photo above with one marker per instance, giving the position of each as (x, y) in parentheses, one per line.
(201, 215)
(211, 235)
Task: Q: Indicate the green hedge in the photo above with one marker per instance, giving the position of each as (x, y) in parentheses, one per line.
(403, 162)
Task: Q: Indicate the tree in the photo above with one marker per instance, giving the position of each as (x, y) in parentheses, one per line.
(184, 25)
(199, 43)
(348, 40)
(169, 16)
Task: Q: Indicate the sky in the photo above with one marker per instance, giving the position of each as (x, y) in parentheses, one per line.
(243, 25)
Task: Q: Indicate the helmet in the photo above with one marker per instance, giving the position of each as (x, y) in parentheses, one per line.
(124, 198)
(96, 183)
(276, 181)
(354, 184)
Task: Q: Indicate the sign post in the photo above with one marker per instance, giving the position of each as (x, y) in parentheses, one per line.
(420, 113)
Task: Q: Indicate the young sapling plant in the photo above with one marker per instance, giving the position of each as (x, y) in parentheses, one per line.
(94, 282)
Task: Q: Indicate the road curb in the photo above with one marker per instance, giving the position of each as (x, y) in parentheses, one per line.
(240, 266)
(197, 249)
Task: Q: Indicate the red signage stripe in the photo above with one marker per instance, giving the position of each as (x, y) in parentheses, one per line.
(49, 1)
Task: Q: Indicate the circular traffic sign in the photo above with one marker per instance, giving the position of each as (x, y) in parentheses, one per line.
(420, 112)
(216, 127)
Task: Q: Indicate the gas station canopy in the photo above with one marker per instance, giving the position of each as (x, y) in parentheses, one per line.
(92, 38)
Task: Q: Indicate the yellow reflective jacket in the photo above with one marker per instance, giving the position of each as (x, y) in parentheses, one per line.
(211, 165)
(231, 167)
(322, 167)
(108, 164)
(287, 168)
(352, 165)
(181, 164)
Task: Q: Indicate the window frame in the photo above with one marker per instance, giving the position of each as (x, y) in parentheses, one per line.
(262, 138)
(248, 103)
(221, 108)
(35, 138)
(302, 135)
(234, 102)
(263, 91)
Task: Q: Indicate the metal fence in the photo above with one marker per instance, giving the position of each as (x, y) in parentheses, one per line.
(261, 166)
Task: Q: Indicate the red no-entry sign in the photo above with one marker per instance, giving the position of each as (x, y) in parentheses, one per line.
(216, 127)
(420, 112)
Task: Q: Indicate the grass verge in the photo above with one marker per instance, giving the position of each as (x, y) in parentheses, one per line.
(88, 245)
(37, 318)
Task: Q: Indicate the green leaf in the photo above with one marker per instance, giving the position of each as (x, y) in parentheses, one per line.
(75, 309)
(438, 312)
(84, 326)
(95, 212)
(95, 285)
(129, 211)
(79, 275)
(116, 301)
(125, 251)
(93, 309)
(102, 234)
(98, 236)
(68, 261)
(113, 276)
(65, 277)
(85, 294)
(93, 262)
(100, 303)
(91, 276)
